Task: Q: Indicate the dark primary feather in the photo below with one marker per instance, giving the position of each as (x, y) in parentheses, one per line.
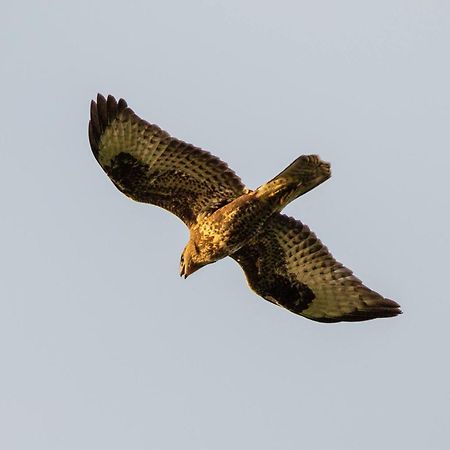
(150, 166)
(287, 265)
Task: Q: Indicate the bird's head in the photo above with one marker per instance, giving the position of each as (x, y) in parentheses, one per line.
(190, 260)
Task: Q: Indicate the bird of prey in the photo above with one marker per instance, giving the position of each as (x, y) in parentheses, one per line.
(283, 260)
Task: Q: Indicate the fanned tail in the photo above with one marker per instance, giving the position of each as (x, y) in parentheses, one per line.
(304, 174)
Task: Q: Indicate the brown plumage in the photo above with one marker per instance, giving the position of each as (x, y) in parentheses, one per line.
(283, 260)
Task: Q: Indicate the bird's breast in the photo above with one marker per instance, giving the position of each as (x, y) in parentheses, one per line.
(229, 228)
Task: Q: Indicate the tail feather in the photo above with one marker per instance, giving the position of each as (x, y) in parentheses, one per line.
(304, 174)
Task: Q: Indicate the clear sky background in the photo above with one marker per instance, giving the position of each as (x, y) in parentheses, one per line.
(103, 346)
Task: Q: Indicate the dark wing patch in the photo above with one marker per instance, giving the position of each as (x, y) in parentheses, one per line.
(287, 265)
(148, 165)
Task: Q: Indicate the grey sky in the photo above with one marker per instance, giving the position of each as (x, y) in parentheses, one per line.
(102, 345)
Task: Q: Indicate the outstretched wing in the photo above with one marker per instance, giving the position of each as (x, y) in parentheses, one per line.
(150, 166)
(289, 266)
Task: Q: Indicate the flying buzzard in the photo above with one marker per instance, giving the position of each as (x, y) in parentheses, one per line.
(283, 260)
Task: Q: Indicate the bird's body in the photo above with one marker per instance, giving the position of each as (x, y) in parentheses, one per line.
(229, 228)
(225, 231)
(283, 261)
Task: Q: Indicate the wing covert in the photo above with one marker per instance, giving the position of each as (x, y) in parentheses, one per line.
(289, 266)
(150, 166)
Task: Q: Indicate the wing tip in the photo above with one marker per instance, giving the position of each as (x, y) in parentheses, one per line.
(102, 112)
(382, 310)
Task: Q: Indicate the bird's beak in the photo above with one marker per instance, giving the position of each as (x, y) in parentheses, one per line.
(184, 271)
(188, 270)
